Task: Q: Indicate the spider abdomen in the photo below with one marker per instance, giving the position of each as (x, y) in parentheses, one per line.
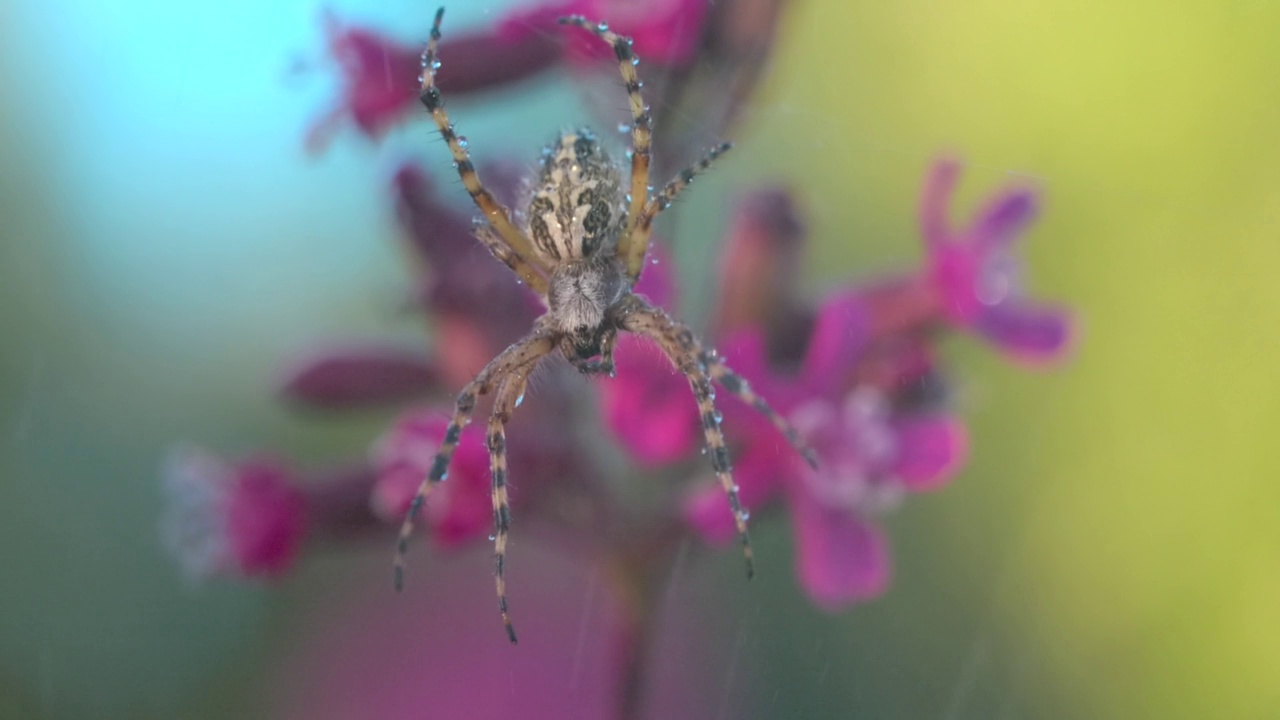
(575, 207)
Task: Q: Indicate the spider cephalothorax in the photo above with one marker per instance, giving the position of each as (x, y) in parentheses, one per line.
(581, 246)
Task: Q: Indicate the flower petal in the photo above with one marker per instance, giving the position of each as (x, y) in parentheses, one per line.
(664, 33)
(759, 473)
(648, 406)
(459, 508)
(266, 518)
(380, 75)
(841, 559)
(354, 376)
(378, 80)
(1003, 218)
(935, 199)
(930, 451)
(487, 60)
(1032, 334)
(837, 343)
(759, 262)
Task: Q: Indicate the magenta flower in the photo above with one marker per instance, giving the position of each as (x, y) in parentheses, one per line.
(976, 276)
(379, 75)
(353, 375)
(871, 453)
(647, 405)
(254, 517)
(460, 509)
(243, 519)
(665, 32)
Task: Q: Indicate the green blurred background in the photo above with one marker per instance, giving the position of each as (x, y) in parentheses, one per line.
(1112, 550)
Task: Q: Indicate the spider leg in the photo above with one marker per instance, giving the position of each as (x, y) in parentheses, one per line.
(509, 394)
(526, 351)
(493, 211)
(486, 234)
(641, 122)
(738, 385)
(644, 222)
(605, 364)
(677, 342)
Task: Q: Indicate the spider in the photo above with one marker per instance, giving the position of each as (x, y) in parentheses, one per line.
(580, 246)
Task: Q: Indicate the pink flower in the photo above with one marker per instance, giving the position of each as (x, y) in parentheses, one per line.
(378, 85)
(759, 265)
(665, 32)
(871, 454)
(352, 375)
(379, 75)
(976, 276)
(244, 519)
(460, 508)
(647, 405)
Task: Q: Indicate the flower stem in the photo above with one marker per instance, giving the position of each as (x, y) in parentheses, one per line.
(637, 579)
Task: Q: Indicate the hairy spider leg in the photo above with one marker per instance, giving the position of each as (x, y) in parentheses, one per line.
(527, 350)
(726, 378)
(641, 127)
(660, 202)
(526, 263)
(676, 340)
(605, 364)
(509, 394)
(498, 248)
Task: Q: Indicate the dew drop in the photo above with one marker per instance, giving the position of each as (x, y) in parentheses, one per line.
(635, 61)
(435, 65)
(744, 515)
(719, 417)
(463, 142)
(520, 400)
(624, 128)
(492, 538)
(603, 27)
(422, 79)
(653, 261)
(444, 476)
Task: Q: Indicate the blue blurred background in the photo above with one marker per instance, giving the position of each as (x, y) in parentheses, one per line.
(1111, 551)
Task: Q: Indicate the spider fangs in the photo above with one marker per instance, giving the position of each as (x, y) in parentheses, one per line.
(581, 247)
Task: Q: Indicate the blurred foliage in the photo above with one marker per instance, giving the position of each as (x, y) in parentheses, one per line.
(1111, 551)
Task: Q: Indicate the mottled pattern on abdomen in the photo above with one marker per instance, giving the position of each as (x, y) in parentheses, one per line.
(577, 205)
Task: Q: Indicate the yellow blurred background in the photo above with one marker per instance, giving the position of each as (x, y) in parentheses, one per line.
(1123, 509)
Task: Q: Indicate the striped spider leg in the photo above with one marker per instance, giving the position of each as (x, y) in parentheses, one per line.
(521, 258)
(644, 207)
(518, 358)
(684, 351)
